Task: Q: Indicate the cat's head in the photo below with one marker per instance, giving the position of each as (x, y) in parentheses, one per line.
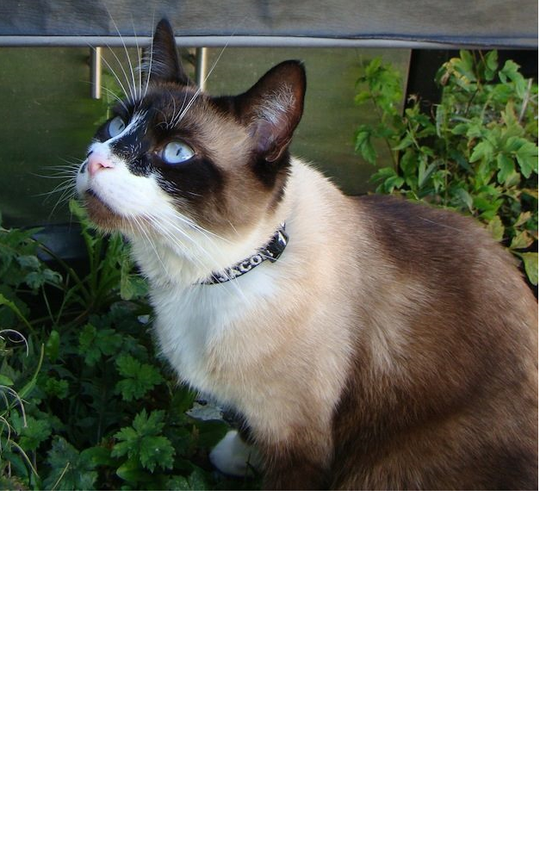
(173, 152)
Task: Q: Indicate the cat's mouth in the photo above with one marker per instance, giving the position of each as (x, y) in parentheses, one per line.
(100, 213)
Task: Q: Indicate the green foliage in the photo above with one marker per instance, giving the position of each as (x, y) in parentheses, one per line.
(139, 378)
(476, 151)
(85, 404)
(143, 442)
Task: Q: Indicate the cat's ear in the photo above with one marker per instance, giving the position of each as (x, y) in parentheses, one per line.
(272, 109)
(161, 61)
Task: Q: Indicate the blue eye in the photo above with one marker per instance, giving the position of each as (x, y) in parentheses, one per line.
(176, 152)
(115, 126)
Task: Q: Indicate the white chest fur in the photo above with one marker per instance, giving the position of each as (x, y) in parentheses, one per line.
(199, 328)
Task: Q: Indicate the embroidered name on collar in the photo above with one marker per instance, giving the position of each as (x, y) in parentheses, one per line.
(272, 251)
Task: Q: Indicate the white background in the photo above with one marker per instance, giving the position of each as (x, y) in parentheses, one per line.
(252, 670)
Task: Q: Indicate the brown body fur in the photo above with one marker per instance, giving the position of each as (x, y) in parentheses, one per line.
(441, 389)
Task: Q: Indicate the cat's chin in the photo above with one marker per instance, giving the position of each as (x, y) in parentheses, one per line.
(101, 214)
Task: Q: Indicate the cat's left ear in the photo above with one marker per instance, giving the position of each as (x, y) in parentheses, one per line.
(272, 109)
(161, 60)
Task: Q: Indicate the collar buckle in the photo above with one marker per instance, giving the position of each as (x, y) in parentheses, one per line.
(272, 251)
(276, 246)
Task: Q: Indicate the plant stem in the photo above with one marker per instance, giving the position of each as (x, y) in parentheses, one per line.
(393, 155)
(525, 101)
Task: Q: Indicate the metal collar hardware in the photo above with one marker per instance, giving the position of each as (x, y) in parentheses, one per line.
(272, 251)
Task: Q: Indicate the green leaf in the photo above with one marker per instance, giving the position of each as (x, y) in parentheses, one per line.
(210, 432)
(506, 168)
(425, 171)
(406, 142)
(144, 443)
(496, 228)
(364, 146)
(7, 303)
(523, 218)
(35, 432)
(182, 398)
(488, 202)
(96, 343)
(156, 451)
(52, 346)
(530, 261)
(463, 199)
(521, 240)
(69, 468)
(132, 472)
(29, 386)
(178, 482)
(139, 378)
(388, 179)
(461, 129)
(466, 63)
(511, 119)
(28, 261)
(36, 279)
(56, 387)
(510, 73)
(361, 98)
(372, 67)
(5, 381)
(100, 456)
(127, 442)
(483, 150)
(491, 60)
(132, 286)
(149, 424)
(408, 165)
(197, 480)
(527, 157)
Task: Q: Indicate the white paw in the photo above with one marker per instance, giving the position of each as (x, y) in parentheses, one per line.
(232, 456)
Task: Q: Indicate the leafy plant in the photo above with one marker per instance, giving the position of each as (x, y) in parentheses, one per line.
(20, 434)
(475, 151)
(85, 403)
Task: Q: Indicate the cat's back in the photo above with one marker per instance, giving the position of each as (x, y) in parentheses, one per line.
(446, 355)
(443, 250)
(441, 274)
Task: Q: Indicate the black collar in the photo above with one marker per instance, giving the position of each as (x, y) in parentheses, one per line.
(272, 251)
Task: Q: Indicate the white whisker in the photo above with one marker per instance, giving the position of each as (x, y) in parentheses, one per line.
(213, 68)
(131, 86)
(115, 75)
(174, 222)
(186, 109)
(113, 96)
(138, 68)
(61, 188)
(151, 56)
(147, 238)
(172, 232)
(66, 191)
(57, 176)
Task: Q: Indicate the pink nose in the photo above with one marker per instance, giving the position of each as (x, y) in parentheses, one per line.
(97, 161)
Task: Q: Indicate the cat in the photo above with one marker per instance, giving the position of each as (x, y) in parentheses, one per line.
(366, 343)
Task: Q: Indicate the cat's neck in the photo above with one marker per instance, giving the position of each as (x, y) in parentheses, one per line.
(188, 254)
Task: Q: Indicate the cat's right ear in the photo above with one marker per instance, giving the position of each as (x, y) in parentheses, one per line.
(272, 108)
(161, 61)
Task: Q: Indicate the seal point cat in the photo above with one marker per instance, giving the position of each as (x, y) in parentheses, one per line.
(389, 346)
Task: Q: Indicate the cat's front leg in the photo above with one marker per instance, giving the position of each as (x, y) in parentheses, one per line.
(296, 466)
(286, 465)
